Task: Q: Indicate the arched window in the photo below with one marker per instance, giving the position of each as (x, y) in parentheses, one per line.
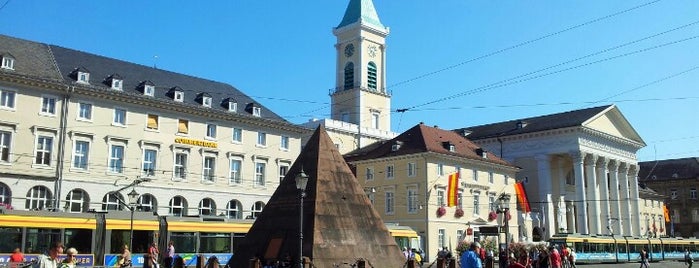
(147, 203)
(111, 201)
(77, 200)
(349, 76)
(233, 210)
(5, 194)
(207, 207)
(371, 76)
(257, 209)
(38, 198)
(178, 206)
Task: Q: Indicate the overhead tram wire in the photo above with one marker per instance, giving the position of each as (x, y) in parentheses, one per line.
(505, 82)
(487, 55)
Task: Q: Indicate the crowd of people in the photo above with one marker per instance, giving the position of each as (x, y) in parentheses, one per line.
(536, 257)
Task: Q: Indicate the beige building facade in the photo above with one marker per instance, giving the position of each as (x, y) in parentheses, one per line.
(77, 128)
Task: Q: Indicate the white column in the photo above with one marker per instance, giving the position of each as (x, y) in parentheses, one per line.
(593, 194)
(562, 210)
(581, 202)
(625, 199)
(604, 193)
(635, 209)
(545, 193)
(615, 199)
(570, 217)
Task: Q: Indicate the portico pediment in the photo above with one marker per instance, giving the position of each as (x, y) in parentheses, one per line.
(612, 122)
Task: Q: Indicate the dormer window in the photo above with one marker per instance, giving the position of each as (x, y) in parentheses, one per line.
(8, 61)
(177, 94)
(81, 75)
(396, 146)
(114, 81)
(147, 87)
(204, 99)
(482, 153)
(230, 104)
(521, 124)
(449, 146)
(254, 109)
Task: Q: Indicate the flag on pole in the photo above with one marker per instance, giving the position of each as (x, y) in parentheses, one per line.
(522, 199)
(666, 213)
(453, 190)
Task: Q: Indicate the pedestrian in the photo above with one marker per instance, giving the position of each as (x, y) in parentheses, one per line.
(213, 262)
(470, 258)
(16, 258)
(50, 260)
(71, 259)
(688, 260)
(644, 258)
(170, 262)
(565, 257)
(154, 254)
(406, 253)
(555, 257)
(125, 257)
(571, 258)
(543, 258)
(502, 258)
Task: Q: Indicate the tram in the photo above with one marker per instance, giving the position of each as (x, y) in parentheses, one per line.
(613, 249)
(99, 236)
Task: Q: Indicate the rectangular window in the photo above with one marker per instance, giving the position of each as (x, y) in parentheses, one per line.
(80, 154)
(44, 146)
(491, 177)
(441, 237)
(673, 194)
(475, 174)
(375, 120)
(390, 202)
(695, 215)
(152, 122)
(149, 161)
(283, 169)
(8, 63)
(491, 203)
(183, 126)
(237, 135)
(116, 159)
(119, 117)
(412, 169)
(693, 193)
(285, 143)
(234, 172)
(209, 171)
(440, 169)
(211, 131)
(262, 139)
(232, 106)
(5, 142)
(460, 199)
(476, 203)
(389, 172)
(260, 173)
(370, 174)
(149, 90)
(48, 105)
(256, 111)
(440, 198)
(412, 200)
(180, 167)
(85, 111)
(7, 99)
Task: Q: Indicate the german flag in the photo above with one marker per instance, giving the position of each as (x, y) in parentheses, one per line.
(522, 199)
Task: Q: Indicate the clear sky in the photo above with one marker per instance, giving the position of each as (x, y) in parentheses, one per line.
(442, 56)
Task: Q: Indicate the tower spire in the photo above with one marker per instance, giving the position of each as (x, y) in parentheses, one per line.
(362, 11)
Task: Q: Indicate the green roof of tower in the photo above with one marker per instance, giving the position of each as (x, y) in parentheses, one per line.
(361, 10)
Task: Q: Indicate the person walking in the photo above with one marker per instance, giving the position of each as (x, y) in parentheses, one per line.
(154, 254)
(571, 258)
(170, 262)
(50, 260)
(644, 258)
(688, 260)
(71, 260)
(470, 259)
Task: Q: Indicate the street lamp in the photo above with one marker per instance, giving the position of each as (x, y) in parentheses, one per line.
(301, 181)
(505, 210)
(133, 201)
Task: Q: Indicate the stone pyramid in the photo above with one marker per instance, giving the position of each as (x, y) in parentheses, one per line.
(339, 226)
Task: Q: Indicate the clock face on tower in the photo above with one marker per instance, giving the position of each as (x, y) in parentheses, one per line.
(372, 51)
(349, 50)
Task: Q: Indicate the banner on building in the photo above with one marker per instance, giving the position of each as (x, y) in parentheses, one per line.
(522, 200)
(453, 190)
(666, 213)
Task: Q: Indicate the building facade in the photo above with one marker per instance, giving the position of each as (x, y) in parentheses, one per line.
(407, 180)
(360, 102)
(79, 130)
(677, 180)
(579, 169)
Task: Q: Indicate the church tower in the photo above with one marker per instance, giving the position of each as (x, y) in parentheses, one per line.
(360, 95)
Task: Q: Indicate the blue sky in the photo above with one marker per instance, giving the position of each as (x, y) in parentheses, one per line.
(640, 55)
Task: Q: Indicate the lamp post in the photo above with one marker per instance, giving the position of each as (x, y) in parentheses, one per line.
(505, 210)
(133, 201)
(301, 181)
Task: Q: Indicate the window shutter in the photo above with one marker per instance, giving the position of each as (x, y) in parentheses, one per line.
(183, 127)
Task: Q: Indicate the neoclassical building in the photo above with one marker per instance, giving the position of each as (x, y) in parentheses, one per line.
(360, 102)
(76, 129)
(579, 169)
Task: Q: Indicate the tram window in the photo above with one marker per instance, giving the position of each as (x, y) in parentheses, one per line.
(80, 239)
(184, 242)
(119, 239)
(622, 248)
(10, 238)
(38, 240)
(215, 243)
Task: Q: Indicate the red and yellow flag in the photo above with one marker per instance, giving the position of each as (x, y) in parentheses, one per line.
(453, 190)
(666, 213)
(522, 197)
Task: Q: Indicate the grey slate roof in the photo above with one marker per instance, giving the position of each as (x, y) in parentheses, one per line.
(31, 59)
(361, 10)
(533, 124)
(669, 169)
